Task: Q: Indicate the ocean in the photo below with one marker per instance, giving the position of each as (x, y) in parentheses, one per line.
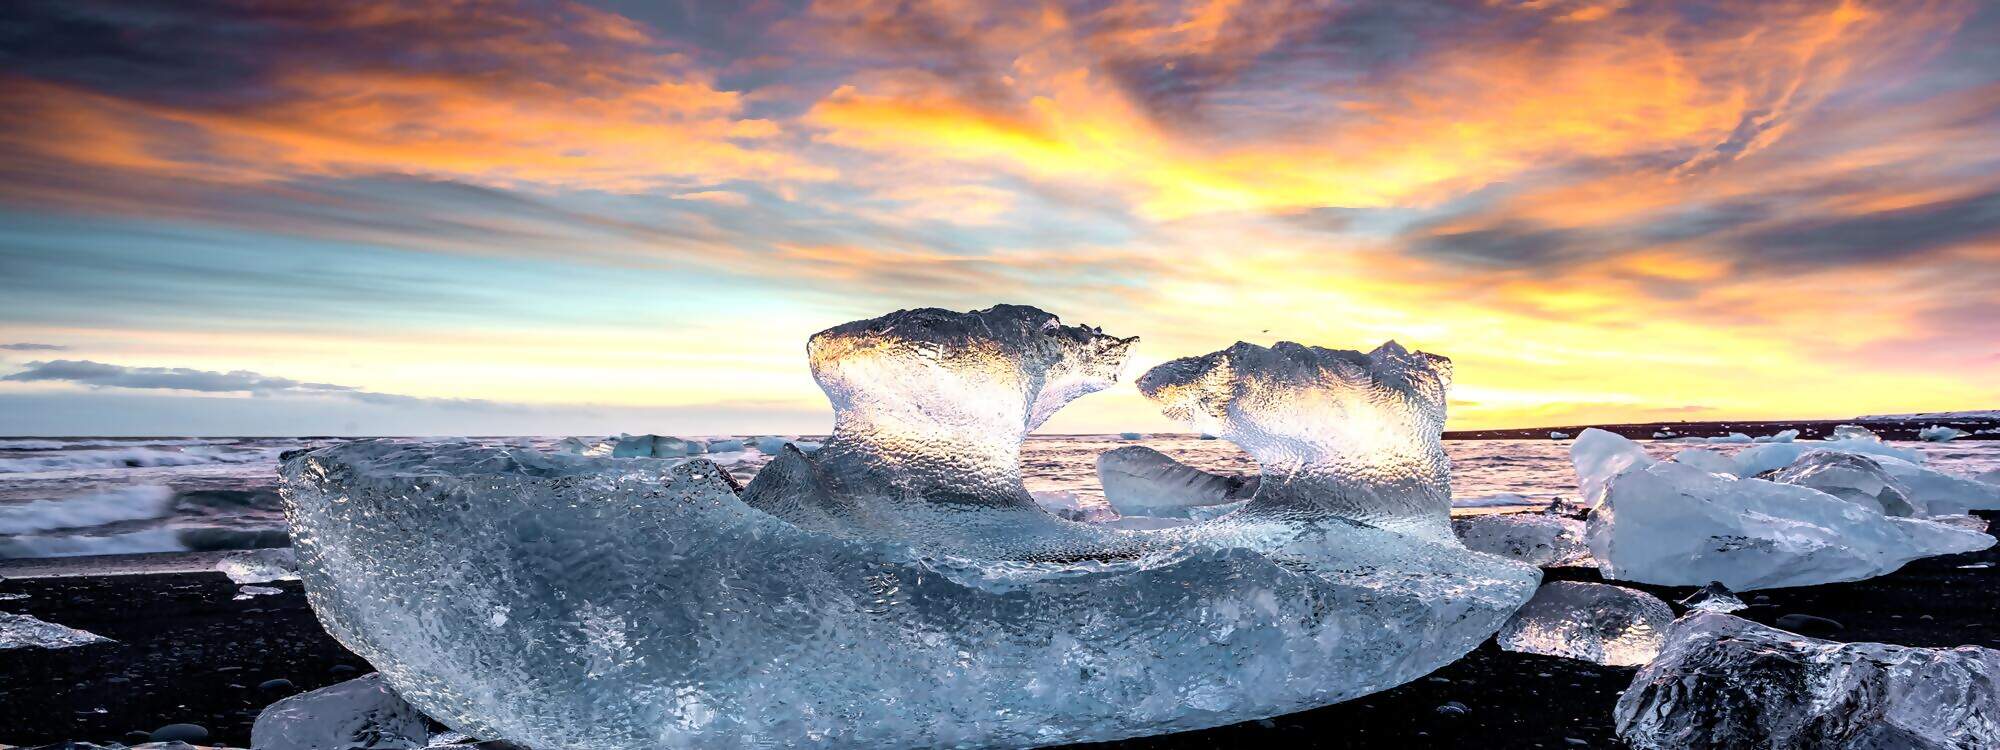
(94, 496)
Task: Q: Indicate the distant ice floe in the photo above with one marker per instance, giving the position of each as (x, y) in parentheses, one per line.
(260, 566)
(1940, 434)
(23, 631)
(1723, 681)
(1591, 622)
(1782, 436)
(624, 603)
(1672, 523)
(1930, 415)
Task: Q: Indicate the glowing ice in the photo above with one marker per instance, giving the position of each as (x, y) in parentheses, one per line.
(900, 587)
(1140, 481)
(1589, 621)
(1723, 681)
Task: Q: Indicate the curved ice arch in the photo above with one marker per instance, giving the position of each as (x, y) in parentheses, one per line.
(590, 602)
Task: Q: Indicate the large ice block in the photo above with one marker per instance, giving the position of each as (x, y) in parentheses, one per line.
(897, 588)
(1723, 681)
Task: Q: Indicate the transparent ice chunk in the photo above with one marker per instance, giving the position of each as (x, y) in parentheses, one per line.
(1140, 481)
(1589, 621)
(1723, 681)
(359, 714)
(899, 587)
(1714, 597)
(23, 631)
(1544, 540)
(1852, 477)
(260, 566)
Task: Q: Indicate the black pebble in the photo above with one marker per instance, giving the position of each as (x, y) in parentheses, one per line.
(280, 685)
(138, 737)
(1807, 625)
(1453, 709)
(342, 670)
(189, 733)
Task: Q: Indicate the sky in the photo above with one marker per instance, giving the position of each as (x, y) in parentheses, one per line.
(584, 218)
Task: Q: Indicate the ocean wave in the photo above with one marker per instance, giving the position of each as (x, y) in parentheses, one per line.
(74, 545)
(125, 458)
(133, 503)
(44, 444)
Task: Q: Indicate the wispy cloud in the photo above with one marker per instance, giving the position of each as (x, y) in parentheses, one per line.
(101, 375)
(28, 347)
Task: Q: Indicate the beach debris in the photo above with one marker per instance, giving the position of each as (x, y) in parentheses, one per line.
(1140, 481)
(1853, 477)
(260, 565)
(647, 604)
(1714, 597)
(359, 713)
(1723, 681)
(188, 733)
(1540, 539)
(1940, 434)
(1669, 523)
(24, 631)
(1592, 622)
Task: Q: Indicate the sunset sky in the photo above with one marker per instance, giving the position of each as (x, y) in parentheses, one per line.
(512, 218)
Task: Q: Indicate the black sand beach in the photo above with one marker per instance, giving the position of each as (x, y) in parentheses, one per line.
(187, 652)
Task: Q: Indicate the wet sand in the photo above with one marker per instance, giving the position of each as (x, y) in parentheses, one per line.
(187, 652)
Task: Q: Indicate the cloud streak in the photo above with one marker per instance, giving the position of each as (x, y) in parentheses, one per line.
(101, 375)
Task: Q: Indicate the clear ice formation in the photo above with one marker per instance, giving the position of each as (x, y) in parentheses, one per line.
(1544, 540)
(1714, 597)
(1140, 481)
(359, 714)
(1670, 523)
(1853, 477)
(1928, 490)
(899, 587)
(1724, 681)
(23, 631)
(260, 565)
(1589, 621)
(1940, 434)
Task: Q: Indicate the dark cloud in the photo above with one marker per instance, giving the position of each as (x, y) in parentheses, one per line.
(25, 347)
(1510, 245)
(102, 375)
(1883, 236)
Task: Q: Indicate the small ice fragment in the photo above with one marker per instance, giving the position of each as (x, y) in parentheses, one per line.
(1723, 681)
(1940, 433)
(1071, 506)
(1854, 432)
(358, 713)
(1559, 435)
(1975, 566)
(261, 565)
(252, 592)
(1714, 597)
(1538, 539)
(1784, 436)
(12, 597)
(1132, 435)
(1662, 434)
(1140, 481)
(1589, 621)
(23, 631)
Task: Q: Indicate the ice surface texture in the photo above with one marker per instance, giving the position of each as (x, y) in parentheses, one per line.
(1544, 540)
(359, 714)
(1671, 523)
(23, 631)
(260, 566)
(1714, 597)
(1140, 481)
(897, 588)
(1723, 681)
(1589, 621)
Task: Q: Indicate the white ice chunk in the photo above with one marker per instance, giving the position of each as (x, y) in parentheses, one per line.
(1672, 524)
(260, 565)
(244, 593)
(1559, 436)
(1706, 460)
(1758, 459)
(1589, 621)
(1540, 539)
(1852, 477)
(1714, 597)
(359, 713)
(1938, 493)
(1599, 456)
(1723, 681)
(23, 631)
(900, 588)
(1940, 434)
(1140, 481)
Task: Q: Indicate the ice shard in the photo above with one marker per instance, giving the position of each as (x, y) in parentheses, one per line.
(1723, 681)
(1140, 481)
(1589, 621)
(23, 631)
(260, 565)
(899, 587)
(1714, 597)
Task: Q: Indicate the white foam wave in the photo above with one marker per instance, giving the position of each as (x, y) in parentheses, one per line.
(149, 540)
(134, 503)
(121, 458)
(45, 444)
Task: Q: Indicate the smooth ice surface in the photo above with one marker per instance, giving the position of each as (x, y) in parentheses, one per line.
(1724, 681)
(898, 588)
(1598, 456)
(1673, 524)
(1706, 460)
(1853, 477)
(1140, 481)
(1544, 540)
(1714, 597)
(359, 714)
(23, 631)
(1589, 621)
(260, 566)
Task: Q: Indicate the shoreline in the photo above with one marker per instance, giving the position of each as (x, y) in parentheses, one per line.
(186, 651)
